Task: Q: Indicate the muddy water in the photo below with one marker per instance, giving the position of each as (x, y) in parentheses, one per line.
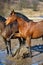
(8, 60)
(3, 58)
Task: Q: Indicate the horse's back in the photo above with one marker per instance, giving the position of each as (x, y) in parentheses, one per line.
(37, 30)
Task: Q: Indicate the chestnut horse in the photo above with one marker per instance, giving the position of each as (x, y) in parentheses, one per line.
(9, 29)
(27, 30)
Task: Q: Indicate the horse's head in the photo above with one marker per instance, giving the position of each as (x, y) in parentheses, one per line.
(9, 29)
(11, 18)
(6, 32)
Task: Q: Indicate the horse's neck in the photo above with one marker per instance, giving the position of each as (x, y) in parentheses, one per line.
(21, 21)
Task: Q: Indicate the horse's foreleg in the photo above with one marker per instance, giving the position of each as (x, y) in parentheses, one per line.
(17, 53)
(18, 50)
(6, 46)
(18, 56)
(21, 41)
(13, 34)
(42, 37)
(10, 37)
(17, 35)
(28, 39)
(9, 43)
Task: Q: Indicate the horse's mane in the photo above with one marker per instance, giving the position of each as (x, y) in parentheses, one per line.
(2, 18)
(22, 16)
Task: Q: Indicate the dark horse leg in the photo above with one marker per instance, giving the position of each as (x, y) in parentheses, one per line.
(9, 46)
(6, 46)
(42, 37)
(29, 45)
(21, 41)
(8, 42)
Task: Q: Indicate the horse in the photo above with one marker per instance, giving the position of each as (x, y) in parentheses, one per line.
(27, 30)
(2, 27)
(9, 29)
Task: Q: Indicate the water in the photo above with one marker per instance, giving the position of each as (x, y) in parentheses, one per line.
(3, 58)
(41, 16)
(27, 61)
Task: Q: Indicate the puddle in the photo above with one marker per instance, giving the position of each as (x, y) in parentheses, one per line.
(38, 63)
(3, 55)
(36, 60)
(3, 58)
(38, 48)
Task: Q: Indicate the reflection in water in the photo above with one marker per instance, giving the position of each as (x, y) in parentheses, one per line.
(3, 54)
(6, 60)
(3, 58)
(35, 64)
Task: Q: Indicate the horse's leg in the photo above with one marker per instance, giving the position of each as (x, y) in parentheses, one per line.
(20, 42)
(9, 43)
(17, 35)
(10, 37)
(6, 46)
(23, 41)
(42, 37)
(28, 39)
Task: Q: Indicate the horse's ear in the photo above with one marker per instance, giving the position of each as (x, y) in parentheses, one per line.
(12, 12)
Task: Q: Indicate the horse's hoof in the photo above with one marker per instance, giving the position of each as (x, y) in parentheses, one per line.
(18, 57)
(30, 56)
(13, 55)
(25, 55)
(7, 52)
